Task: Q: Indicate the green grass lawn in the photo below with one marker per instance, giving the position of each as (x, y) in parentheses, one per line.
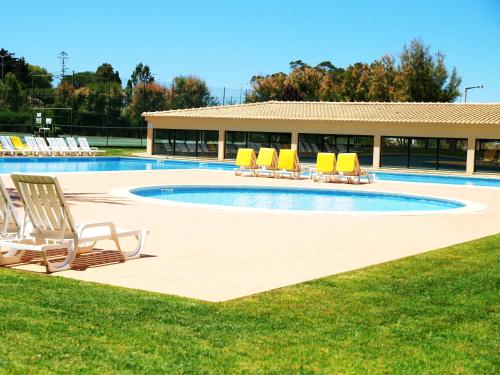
(433, 313)
(121, 151)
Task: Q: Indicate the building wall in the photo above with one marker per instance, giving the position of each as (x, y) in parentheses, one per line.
(375, 129)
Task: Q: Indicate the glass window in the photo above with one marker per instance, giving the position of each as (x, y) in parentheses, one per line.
(423, 153)
(341, 144)
(363, 146)
(256, 140)
(394, 152)
(488, 155)
(234, 141)
(185, 143)
(309, 146)
(452, 154)
(280, 140)
(163, 142)
(208, 143)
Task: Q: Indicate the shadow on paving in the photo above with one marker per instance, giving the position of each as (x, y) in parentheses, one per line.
(94, 259)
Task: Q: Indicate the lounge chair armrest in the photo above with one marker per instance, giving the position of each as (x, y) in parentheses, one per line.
(108, 224)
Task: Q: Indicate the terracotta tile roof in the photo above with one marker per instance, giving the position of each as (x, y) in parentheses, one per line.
(453, 113)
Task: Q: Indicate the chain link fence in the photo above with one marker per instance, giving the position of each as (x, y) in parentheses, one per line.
(100, 129)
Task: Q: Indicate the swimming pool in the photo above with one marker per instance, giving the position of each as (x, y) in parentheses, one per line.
(299, 199)
(106, 164)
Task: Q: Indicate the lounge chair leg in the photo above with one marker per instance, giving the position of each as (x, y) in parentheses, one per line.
(11, 257)
(65, 264)
(141, 240)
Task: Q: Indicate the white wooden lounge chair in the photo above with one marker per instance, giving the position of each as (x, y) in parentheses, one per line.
(74, 146)
(42, 145)
(10, 223)
(10, 226)
(63, 146)
(56, 147)
(84, 145)
(54, 227)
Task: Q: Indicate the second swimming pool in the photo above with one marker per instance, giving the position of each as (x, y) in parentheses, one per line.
(298, 199)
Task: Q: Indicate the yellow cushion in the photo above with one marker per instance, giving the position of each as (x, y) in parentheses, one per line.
(286, 160)
(266, 157)
(17, 143)
(325, 162)
(245, 157)
(346, 163)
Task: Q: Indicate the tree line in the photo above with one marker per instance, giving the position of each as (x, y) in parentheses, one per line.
(99, 97)
(418, 76)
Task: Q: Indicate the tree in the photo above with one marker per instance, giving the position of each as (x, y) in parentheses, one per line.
(425, 77)
(147, 97)
(13, 95)
(141, 74)
(106, 71)
(189, 92)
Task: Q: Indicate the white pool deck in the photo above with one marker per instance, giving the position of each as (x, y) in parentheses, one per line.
(216, 254)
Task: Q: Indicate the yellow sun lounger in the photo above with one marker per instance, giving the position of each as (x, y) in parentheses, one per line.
(267, 161)
(288, 164)
(325, 167)
(19, 145)
(348, 166)
(246, 161)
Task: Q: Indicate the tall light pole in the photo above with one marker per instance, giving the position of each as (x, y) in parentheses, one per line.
(3, 57)
(470, 88)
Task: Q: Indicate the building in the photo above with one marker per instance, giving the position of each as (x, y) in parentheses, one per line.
(442, 136)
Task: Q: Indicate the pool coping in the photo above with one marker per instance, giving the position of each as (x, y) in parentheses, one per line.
(469, 206)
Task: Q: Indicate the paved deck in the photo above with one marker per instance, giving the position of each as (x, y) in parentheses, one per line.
(220, 254)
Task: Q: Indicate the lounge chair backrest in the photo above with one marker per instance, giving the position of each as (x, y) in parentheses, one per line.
(84, 144)
(288, 160)
(325, 162)
(45, 206)
(246, 158)
(10, 222)
(267, 158)
(42, 144)
(6, 143)
(348, 163)
(54, 144)
(62, 144)
(17, 143)
(72, 144)
(31, 142)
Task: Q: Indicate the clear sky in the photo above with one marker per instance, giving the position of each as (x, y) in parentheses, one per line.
(227, 42)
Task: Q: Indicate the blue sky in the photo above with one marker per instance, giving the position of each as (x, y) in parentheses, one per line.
(227, 42)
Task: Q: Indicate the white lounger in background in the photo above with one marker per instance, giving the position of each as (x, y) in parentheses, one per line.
(74, 146)
(42, 145)
(63, 146)
(56, 147)
(84, 145)
(54, 227)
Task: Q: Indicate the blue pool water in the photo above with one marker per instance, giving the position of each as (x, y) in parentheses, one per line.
(297, 199)
(86, 164)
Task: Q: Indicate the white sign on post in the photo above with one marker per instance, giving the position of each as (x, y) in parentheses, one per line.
(39, 114)
(48, 121)
(38, 120)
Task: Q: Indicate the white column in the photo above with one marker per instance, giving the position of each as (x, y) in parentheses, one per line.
(222, 140)
(295, 141)
(149, 140)
(471, 155)
(377, 140)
